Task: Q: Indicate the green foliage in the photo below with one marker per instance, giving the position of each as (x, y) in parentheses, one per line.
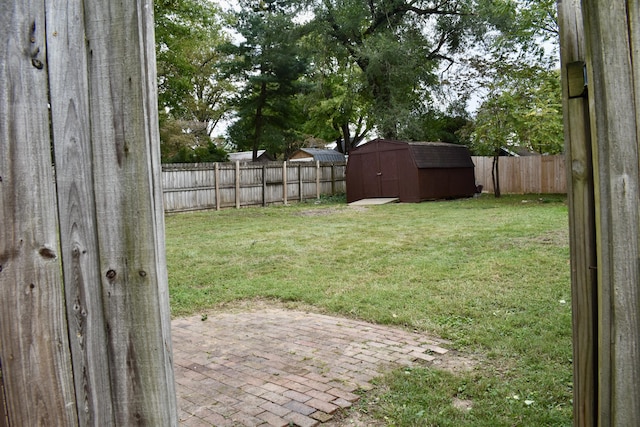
(433, 126)
(525, 114)
(269, 66)
(337, 70)
(209, 153)
(396, 57)
(191, 94)
(187, 142)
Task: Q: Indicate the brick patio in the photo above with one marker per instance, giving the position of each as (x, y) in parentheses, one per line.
(277, 367)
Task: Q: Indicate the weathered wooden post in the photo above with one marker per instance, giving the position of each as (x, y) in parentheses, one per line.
(607, 370)
(238, 186)
(613, 45)
(284, 183)
(85, 322)
(318, 175)
(580, 190)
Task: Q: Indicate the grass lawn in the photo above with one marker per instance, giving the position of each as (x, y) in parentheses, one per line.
(490, 275)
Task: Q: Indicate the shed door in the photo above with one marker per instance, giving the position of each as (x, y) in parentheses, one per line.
(380, 174)
(370, 181)
(388, 173)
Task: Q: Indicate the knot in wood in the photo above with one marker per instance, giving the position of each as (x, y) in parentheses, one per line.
(48, 253)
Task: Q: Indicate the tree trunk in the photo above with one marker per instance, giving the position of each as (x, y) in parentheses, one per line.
(346, 136)
(259, 123)
(495, 175)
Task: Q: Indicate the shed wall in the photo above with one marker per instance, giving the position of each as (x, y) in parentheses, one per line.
(446, 183)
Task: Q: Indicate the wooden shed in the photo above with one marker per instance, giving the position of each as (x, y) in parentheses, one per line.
(410, 171)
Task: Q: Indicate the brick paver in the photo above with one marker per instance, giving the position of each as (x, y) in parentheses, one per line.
(274, 367)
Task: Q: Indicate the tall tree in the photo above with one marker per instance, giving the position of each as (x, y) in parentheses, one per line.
(398, 46)
(522, 97)
(269, 66)
(524, 112)
(334, 103)
(192, 95)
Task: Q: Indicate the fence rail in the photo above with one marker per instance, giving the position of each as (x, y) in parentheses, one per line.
(521, 175)
(222, 185)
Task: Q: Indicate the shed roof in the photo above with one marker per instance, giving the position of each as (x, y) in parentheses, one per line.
(247, 156)
(323, 155)
(440, 155)
(431, 155)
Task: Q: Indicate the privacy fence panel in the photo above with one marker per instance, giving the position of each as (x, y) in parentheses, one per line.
(522, 175)
(223, 185)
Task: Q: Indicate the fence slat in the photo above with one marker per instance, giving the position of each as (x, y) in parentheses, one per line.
(129, 224)
(70, 120)
(34, 349)
(238, 186)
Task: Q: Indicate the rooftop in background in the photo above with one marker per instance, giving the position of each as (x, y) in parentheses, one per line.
(247, 156)
(316, 154)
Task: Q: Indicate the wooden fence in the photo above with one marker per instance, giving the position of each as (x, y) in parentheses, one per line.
(222, 185)
(85, 323)
(522, 175)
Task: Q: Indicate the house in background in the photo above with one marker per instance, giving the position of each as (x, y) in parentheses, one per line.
(410, 171)
(317, 155)
(247, 156)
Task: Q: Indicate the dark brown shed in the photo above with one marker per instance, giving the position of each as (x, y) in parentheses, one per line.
(410, 171)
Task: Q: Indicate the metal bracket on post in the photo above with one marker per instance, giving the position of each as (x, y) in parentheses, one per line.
(577, 79)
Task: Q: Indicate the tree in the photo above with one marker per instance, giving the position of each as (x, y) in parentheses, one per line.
(527, 113)
(522, 105)
(269, 66)
(333, 103)
(192, 95)
(398, 46)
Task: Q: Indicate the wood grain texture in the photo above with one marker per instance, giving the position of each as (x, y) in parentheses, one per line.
(4, 416)
(34, 348)
(612, 45)
(79, 243)
(582, 233)
(128, 208)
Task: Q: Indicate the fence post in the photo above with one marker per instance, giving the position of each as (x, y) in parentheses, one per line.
(238, 185)
(217, 185)
(613, 51)
(580, 191)
(333, 179)
(284, 182)
(300, 186)
(318, 173)
(264, 185)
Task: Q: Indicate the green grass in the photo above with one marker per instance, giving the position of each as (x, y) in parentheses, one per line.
(490, 275)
